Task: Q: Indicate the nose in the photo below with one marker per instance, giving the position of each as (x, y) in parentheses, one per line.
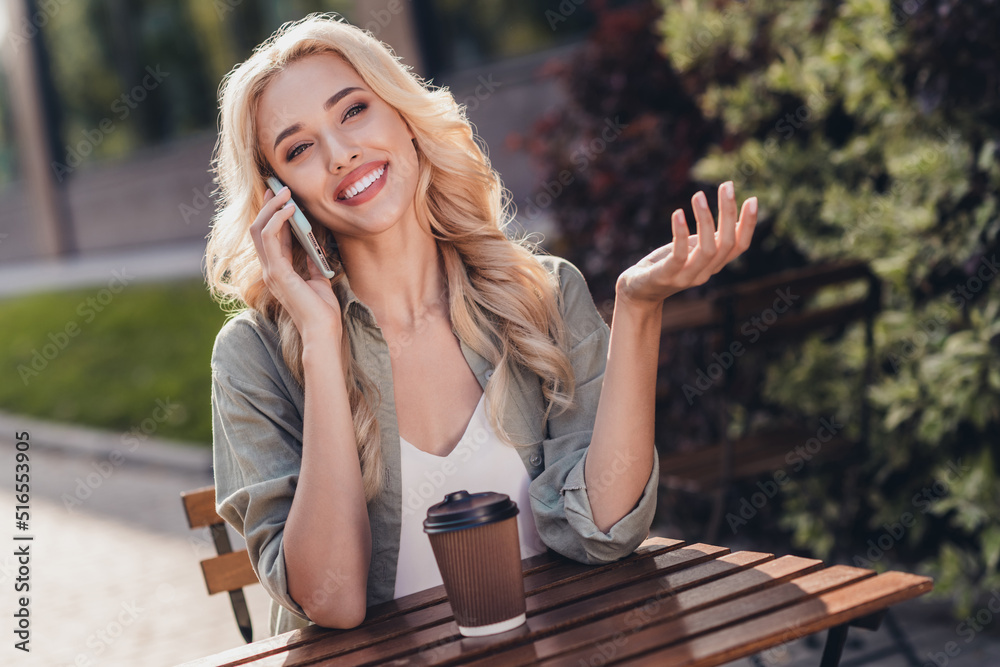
(340, 166)
(341, 152)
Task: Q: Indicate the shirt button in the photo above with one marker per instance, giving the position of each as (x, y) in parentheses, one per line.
(536, 460)
(489, 374)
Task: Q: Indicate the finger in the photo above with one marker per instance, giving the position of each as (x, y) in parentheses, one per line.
(727, 221)
(276, 238)
(668, 251)
(276, 200)
(748, 223)
(279, 226)
(271, 204)
(681, 241)
(314, 271)
(705, 251)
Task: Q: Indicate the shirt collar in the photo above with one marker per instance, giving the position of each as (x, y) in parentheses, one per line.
(357, 309)
(350, 302)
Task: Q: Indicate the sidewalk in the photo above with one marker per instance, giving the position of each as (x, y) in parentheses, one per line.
(161, 262)
(114, 572)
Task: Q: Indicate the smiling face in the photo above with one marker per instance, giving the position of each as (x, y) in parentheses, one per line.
(346, 154)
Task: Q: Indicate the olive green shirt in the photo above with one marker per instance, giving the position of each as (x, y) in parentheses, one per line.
(257, 409)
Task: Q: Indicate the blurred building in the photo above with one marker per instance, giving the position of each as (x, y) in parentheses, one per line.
(108, 108)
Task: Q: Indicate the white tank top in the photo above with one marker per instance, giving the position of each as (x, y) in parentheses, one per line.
(480, 462)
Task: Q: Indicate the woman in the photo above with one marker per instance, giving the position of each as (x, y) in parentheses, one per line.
(334, 399)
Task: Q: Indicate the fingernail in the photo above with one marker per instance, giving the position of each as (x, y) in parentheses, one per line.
(727, 188)
(752, 207)
(701, 199)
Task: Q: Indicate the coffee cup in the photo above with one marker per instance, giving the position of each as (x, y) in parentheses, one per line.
(478, 552)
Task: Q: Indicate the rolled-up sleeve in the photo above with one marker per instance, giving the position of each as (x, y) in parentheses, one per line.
(559, 499)
(257, 451)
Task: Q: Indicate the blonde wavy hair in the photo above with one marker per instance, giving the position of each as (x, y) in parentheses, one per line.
(502, 301)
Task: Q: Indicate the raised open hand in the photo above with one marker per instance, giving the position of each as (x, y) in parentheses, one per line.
(690, 260)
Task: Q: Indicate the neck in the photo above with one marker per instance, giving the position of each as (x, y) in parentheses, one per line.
(399, 274)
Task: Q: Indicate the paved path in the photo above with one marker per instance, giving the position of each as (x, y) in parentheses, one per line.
(114, 580)
(159, 262)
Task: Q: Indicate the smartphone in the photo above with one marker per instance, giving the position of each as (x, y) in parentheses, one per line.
(303, 232)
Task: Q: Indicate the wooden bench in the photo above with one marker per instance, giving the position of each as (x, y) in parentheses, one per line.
(229, 571)
(723, 314)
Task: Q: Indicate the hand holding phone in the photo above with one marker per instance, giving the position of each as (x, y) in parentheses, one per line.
(303, 232)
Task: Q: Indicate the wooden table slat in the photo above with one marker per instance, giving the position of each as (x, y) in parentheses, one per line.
(627, 596)
(587, 641)
(709, 608)
(628, 573)
(449, 647)
(693, 605)
(381, 646)
(408, 604)
(818, 613)
(569, 571)
(540, 572)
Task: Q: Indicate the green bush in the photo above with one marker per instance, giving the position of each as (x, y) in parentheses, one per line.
(859, 127)
(834, 129)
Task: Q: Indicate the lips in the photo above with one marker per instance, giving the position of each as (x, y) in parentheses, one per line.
(360, 180)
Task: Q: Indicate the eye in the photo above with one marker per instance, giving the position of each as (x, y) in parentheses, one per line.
(292, 154)
(359, 107)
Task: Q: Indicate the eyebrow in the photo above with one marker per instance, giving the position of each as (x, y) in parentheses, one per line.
(292, 129)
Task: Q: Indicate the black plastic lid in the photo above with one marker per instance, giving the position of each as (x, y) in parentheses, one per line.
(462, 509)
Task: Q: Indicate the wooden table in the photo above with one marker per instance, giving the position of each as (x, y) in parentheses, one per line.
(669, 603)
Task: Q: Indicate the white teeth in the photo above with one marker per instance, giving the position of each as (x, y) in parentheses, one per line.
(363, 184)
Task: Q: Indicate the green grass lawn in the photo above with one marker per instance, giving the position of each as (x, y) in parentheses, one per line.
(136, 362)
